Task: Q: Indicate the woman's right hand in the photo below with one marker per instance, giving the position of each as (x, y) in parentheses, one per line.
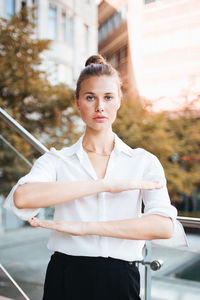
(117, 186)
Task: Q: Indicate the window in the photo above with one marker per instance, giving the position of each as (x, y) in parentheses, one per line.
(110, 25)
(63, 27)
(36, 16)
(149, 1)
(114, 60)
(23, 3)
(9, 8)
(69, 30)
(123, 13)
(100, 34)
(86, 38)
(123, 54)
(116, 19)
(104, 30)
(52, 23)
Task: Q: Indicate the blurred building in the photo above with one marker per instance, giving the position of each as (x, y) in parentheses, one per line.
(73, 34)
(162, 38)
(113, 39)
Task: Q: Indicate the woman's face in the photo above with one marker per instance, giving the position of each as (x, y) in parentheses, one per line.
(99, 101)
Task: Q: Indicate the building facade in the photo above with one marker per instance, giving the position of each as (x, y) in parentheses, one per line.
(163, 45)
(74, 36)
(113, 40)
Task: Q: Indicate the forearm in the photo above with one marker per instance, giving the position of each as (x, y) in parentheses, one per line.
(144, 228)
(44, 194)
(39, 194)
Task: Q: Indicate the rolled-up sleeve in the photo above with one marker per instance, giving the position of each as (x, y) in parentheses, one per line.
(43, 170)
(158, 202)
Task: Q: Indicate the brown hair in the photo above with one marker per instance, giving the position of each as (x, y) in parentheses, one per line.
(96, 65)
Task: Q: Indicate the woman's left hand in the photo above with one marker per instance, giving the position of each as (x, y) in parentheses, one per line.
(74, 228)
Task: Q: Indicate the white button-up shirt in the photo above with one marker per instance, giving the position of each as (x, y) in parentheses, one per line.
(72, 164)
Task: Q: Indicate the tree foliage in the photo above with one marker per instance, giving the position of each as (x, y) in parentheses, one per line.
(44, 109)
(174, 139)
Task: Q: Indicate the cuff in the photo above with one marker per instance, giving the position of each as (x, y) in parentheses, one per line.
(22, 213)
(177, 240)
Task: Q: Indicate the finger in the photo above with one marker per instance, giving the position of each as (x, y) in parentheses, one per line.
(45, 223)
(151, 185)
(157, 185)
(33, 222)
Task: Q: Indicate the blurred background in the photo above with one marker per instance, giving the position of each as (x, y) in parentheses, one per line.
(155, 46)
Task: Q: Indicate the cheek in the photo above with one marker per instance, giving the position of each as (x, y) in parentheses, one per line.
(113, 108)
(85, 109)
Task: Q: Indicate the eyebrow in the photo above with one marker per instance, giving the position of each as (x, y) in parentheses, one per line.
(108, 93)
(89, 93)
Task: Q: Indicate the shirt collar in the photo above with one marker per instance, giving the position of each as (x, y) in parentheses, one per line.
(120, 146)
(77, 148)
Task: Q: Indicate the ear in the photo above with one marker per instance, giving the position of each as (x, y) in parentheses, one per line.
(119, 103)
(76, 102)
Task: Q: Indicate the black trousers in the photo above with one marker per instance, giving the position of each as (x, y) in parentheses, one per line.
(90, 278)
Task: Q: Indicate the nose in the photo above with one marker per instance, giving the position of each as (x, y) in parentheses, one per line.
(99, 106)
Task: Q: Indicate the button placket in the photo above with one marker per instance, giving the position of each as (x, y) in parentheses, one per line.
(102, 217)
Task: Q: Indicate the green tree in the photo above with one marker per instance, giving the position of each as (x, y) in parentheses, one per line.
(44, 109)
(169, 137)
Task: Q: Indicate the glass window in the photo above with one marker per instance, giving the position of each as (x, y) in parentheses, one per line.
(100, 34)
(110, 25)
(123, 12)
(116, 19)
(52, 23)
(86, 38)
(123, 54)
(149, 1)
(69, 30)
(36, 16)
(9, 8)
(63, 27)
(104, 31)
(114, 60)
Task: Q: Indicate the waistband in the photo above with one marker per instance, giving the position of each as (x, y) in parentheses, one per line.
(92, 260)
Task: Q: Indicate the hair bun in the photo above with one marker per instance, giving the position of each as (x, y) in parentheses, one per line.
(95, 59)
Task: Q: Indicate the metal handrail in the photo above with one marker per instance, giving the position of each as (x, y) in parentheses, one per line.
(23, 132)
(16, 151)
(189, 222)
(14, 283)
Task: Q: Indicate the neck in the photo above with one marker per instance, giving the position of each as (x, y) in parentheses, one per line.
(99, 141)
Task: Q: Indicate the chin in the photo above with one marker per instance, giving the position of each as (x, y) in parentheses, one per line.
(99, 127)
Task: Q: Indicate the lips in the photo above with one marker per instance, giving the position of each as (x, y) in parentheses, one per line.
(100, 118)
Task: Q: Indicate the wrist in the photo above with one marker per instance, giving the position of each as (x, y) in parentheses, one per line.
(105, 187)
(89, 228)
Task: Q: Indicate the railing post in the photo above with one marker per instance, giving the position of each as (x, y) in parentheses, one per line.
(147, 279)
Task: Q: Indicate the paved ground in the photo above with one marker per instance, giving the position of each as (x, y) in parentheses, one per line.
(24, 254)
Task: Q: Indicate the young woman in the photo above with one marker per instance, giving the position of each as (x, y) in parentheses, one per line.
(97, 186)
